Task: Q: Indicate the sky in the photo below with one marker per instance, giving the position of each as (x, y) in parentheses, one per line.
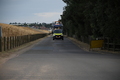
(30, 11)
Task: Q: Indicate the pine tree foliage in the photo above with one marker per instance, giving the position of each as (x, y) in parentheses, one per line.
(97, 18)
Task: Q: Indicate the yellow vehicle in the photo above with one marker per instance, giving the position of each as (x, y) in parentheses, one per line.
(58, 34)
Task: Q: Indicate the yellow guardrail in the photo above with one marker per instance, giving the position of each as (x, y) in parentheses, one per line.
(96, 44)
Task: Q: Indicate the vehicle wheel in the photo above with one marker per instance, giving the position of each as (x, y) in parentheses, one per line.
(53, 38)
(62, 38)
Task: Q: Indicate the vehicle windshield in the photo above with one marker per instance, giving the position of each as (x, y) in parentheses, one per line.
(57, 31)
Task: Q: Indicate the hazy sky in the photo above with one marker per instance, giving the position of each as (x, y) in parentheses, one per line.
(30, 11)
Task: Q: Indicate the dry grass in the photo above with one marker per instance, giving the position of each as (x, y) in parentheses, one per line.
(10, 30)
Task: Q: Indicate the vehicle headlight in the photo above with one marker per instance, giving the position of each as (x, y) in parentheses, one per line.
(53, 34)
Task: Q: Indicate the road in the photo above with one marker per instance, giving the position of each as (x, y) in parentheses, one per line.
(60, 60)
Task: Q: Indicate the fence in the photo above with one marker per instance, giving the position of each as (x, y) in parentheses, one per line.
(112, 44)
(7, 43)
(108, 44)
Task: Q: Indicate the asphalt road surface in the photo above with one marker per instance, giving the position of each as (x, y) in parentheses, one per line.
(61, 60)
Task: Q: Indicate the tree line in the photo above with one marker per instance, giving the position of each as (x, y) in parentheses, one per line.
(95, 18)
(47, 25)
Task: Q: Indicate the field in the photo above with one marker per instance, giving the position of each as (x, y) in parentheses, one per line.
(10, 30)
